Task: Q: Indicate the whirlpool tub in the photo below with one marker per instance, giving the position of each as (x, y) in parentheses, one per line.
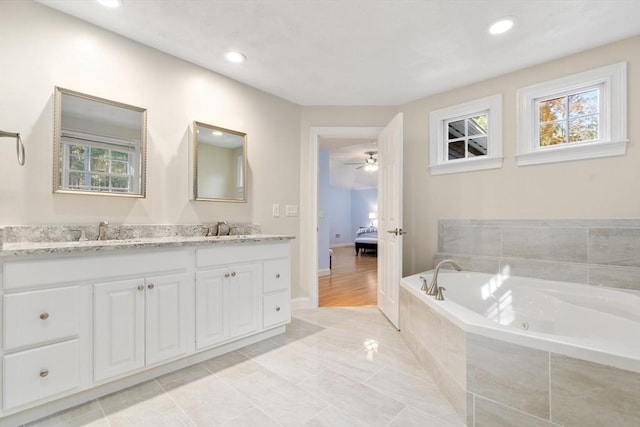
(505, 349)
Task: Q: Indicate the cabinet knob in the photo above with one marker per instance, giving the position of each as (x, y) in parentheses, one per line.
(44, 316)
(141, 287)
(277, 275)
(226, 274)
(233, 274)
(151, 286)
(277, 308)
(44, 373)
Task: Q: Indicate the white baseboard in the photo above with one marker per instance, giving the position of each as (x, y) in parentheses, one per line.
(301, 303)
(341, 245)
(324, 272)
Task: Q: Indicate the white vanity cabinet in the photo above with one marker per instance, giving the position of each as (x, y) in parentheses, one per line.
(235, 289)
(76, 326)
(276, 292)
(139, 322)
(227, 303)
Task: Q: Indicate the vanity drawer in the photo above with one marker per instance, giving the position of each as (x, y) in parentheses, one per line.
(40, 373)
(275, 275)
(40, 316)
(276, 309)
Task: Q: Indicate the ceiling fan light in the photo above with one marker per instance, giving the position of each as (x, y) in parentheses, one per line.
(372, 167)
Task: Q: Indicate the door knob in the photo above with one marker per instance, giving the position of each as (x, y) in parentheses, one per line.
(151, 286)
(397, 231)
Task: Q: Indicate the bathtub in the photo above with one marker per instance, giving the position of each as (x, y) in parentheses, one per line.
(512, 351)
(600, 325)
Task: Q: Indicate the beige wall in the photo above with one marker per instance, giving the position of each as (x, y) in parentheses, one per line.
(41, 48)
(600, 188)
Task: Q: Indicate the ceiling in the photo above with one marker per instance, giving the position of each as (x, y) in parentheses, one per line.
(351, 150)
(363, 52)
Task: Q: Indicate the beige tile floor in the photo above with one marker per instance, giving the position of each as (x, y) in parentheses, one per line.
(333, 367)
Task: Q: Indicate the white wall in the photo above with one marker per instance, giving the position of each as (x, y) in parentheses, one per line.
(41, 48)
(587, 189)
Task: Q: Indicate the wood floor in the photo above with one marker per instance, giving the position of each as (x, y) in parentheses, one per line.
(353, 280)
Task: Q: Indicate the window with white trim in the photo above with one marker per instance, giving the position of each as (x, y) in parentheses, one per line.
(580, 116)
(466, 137)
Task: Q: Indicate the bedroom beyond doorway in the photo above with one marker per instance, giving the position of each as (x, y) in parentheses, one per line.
(353, 279)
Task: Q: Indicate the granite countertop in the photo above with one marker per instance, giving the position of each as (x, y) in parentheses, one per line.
(57, 247)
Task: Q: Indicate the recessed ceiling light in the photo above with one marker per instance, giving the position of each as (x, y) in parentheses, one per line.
(502, 25)
(110, 3)
(235, 57)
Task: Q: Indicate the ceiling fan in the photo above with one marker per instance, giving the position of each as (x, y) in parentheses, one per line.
(370, 163)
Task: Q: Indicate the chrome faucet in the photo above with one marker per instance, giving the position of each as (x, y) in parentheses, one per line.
(102, 230)
(424, 286)
(433, 288)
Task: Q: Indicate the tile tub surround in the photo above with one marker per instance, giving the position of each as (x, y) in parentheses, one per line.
(505, 384)
(596, 252)
(319, 373)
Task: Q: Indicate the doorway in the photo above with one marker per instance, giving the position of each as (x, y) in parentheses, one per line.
(390, 141)
(347, 213)
(309, 223)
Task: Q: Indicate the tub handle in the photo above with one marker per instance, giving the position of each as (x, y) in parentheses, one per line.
(439, 295)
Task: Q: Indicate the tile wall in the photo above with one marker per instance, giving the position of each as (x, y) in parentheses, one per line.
(594, 252)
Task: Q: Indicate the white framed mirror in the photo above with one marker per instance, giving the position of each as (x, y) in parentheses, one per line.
(99, 146)
(220, 163)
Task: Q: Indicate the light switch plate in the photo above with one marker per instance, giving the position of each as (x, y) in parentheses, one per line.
(291, 210)
(275, 209)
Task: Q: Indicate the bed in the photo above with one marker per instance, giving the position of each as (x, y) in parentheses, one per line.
(366, 239)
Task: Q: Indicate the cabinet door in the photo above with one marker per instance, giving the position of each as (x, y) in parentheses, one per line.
(166, 317)
(211, 327)
(118, 327)
(245, 299)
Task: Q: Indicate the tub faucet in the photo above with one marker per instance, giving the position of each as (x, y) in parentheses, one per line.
(102, 230)
(433, 288)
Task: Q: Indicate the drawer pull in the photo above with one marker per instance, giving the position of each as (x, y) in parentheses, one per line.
(226, 275)
(233, 274)
(141, 287)
(277, 275)
(277, 308)
(44, 373)
(44, 316)
(151, 286)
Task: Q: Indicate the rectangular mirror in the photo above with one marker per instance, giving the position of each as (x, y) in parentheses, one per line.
(99, 146)
(220, 163)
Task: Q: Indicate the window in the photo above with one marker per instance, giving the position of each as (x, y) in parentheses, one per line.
(580, 116)
(96, 164)
(466, 137)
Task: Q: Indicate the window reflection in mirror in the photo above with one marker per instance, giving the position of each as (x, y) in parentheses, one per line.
(99, 147)
(220, 163)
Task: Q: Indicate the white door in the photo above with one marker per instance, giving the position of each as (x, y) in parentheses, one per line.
(390, 230)
(118, 327)
(166, 317)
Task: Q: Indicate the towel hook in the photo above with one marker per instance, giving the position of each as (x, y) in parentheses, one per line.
(19, 145)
